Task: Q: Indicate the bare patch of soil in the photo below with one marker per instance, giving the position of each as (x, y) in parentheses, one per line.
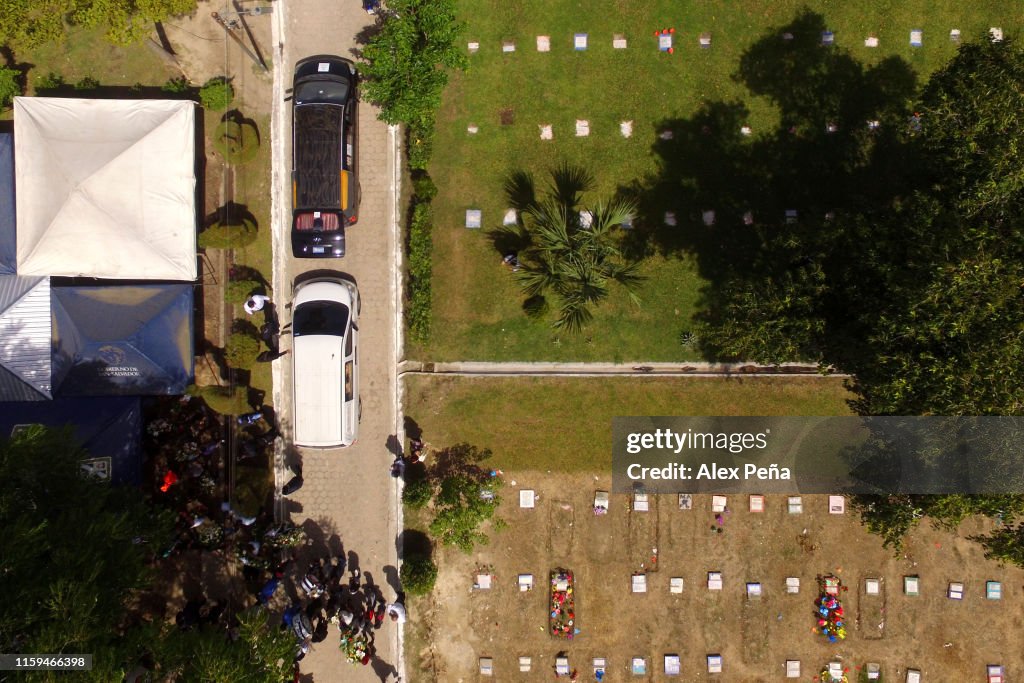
(946, 639)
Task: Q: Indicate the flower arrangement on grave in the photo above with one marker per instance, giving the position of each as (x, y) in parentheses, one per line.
(829, 676)
(355, 646)
(210, 535)
(831, 617)
(284, 536)
(562, 606)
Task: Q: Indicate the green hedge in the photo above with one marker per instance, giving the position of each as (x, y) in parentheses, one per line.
(217, 93)
(241, 350)
(417, 493)
(223, 400)
(231, 233)
(237, 291)
(418, 574)
(418, 312)
(420, 145)
(10, 86)
(237, 141)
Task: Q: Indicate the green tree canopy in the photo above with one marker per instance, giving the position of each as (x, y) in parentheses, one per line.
(406, 61)
(72, 552)
(561, 255)
(34, 22)
(913, 284)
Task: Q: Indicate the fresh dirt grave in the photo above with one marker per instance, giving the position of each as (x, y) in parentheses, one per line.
(871, 617)
(755, 637)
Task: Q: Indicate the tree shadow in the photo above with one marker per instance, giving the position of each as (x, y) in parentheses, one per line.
(232, 212)
(237, 117)
(9, 60)
(366, 34)
(413, 542)
(753, 206)
(242, 272)
(462, 459)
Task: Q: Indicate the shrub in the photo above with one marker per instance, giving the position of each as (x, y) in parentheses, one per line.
(176, 85)
(87, 83)
(420, 145)
(423, 187)
(237, 291)
(241, 350)
(217, 94)
(237, 141)
(10, 86)
(253, 486)
(418, 574)
(50, 81)
(417, 493)
(230, 233)
(420, 247)
(223, 400)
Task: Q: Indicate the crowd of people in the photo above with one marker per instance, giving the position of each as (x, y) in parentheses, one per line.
(357, 608)
(188, 445)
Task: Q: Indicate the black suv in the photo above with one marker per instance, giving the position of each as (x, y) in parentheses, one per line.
(325, 191)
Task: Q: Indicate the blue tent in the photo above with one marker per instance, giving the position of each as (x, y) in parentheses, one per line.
(122, 340)
(8, 255)
(110, 430)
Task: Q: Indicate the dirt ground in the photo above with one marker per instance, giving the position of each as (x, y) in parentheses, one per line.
(947, 640)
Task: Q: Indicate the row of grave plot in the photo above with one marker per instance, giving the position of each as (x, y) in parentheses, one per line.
(756, 503)
(638, 666)
(640, 582)
(955, 590)
(672, 666)
(641, 502)
(547, 132)
(665, 40)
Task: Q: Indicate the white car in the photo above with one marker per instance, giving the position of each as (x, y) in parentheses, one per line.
(325, 363)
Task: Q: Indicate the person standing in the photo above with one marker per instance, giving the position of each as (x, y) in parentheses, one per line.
(255, 303)
(396, 612)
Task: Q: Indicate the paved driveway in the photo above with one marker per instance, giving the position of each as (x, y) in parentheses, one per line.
(348, 491)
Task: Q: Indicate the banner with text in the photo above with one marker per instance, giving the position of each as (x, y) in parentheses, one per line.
(913, 455)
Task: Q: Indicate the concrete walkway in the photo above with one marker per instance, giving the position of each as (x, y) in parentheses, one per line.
(349, 502)
(695, 369)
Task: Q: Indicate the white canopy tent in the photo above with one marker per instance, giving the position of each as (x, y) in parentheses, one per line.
(105, 188)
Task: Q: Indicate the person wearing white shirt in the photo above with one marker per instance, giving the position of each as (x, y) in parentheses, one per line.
(396, 611)
(255, 303)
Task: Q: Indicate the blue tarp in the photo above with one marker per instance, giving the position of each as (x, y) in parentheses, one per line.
(8, 256)
(110, 430)
(122, 340)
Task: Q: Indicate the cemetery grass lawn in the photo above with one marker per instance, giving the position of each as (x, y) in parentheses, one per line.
(87, 53)
(564, 424)
(476, 303)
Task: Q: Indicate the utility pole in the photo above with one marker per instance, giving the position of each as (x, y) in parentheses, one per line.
(227, 29)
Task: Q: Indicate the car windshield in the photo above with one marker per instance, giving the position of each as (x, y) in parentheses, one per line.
(320, 317)
(332, 92)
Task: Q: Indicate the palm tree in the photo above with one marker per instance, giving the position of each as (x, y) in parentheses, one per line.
(562, 256)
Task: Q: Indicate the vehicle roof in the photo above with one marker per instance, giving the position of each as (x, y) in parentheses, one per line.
(318, 157)
(337, 66)
(324, 290)
(317, 389)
